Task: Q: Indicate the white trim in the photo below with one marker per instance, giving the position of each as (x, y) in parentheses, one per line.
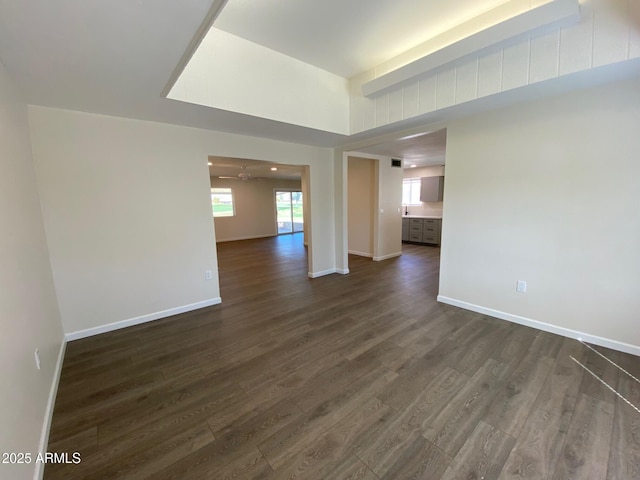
(275, 203)
(551, 15)
(109, 327)
(342, 271)
(547, 327)
(385, 257)
(48, 414)
(195, 42)
(245, 238)
(361, 254)
(322, 273)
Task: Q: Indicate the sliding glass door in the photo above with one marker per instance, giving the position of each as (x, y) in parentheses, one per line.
(289, 211)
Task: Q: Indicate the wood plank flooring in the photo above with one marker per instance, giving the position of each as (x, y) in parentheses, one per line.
(359, 376)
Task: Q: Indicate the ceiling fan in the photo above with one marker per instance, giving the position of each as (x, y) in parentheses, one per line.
(243, 175)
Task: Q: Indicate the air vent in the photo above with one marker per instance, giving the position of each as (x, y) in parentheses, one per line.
(396, 163)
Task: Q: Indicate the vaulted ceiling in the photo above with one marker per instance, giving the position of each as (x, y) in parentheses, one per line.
(349, 37)
(116, 57)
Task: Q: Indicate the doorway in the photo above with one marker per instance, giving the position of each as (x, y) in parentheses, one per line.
(255, 213)
(289, 211)
(376, 210)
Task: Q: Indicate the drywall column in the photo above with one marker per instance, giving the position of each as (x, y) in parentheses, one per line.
(306, 211)
(322, 250)
(29, 316)
(340, 195)
(389, 215)
(362, 188)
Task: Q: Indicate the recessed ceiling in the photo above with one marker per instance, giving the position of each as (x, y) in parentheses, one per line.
(232, 167)
(345, 37)
(115, 57)
(421, 150)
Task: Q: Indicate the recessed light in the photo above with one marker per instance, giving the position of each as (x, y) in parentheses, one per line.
(413, 166)
(210, 163)
(273, 169)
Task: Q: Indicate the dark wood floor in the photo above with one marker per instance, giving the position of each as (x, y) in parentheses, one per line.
(363, 376)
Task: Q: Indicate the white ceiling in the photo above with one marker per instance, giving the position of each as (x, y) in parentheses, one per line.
(421, 149)
(345, 37)
(232, 167)
(96, 55)
(115, 57)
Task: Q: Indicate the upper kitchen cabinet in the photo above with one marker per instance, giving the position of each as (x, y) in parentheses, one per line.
(431, 189)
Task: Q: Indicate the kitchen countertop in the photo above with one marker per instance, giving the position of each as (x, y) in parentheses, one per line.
(439, 217)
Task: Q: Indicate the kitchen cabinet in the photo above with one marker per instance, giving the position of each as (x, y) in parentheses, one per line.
(431, 231)
(405, 229)
(415, 229)
(431, 189)
(421, 230)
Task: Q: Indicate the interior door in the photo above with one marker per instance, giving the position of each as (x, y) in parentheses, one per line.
(289, 216)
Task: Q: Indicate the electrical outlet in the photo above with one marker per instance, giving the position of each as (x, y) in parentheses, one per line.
(208, 275)
(37, 356)
(521, 286)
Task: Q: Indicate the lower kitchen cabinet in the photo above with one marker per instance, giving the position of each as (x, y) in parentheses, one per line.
(421, 230)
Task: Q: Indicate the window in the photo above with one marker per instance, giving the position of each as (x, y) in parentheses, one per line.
(222, 202)
(289, 211)
(411, 191)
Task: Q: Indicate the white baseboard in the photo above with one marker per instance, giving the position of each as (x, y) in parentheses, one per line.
(360, 254)
(342, 271)
(48, 414)
(385, 257)
(547, 327)
(322, 273)
(251, 237)
(138, 320)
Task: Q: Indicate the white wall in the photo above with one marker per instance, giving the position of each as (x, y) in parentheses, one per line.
(362, 198)
(388, 221)
(425, 208)
(306, 211)
(127, 211)
(29, 316)
(608, 34)
(340, 204)
(234, 74)
(255, 209)
(547, 192)
(386, 205)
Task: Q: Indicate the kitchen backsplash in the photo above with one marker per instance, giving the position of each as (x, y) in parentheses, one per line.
(426, 209)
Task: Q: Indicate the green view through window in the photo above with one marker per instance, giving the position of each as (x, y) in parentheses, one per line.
(222, 202)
